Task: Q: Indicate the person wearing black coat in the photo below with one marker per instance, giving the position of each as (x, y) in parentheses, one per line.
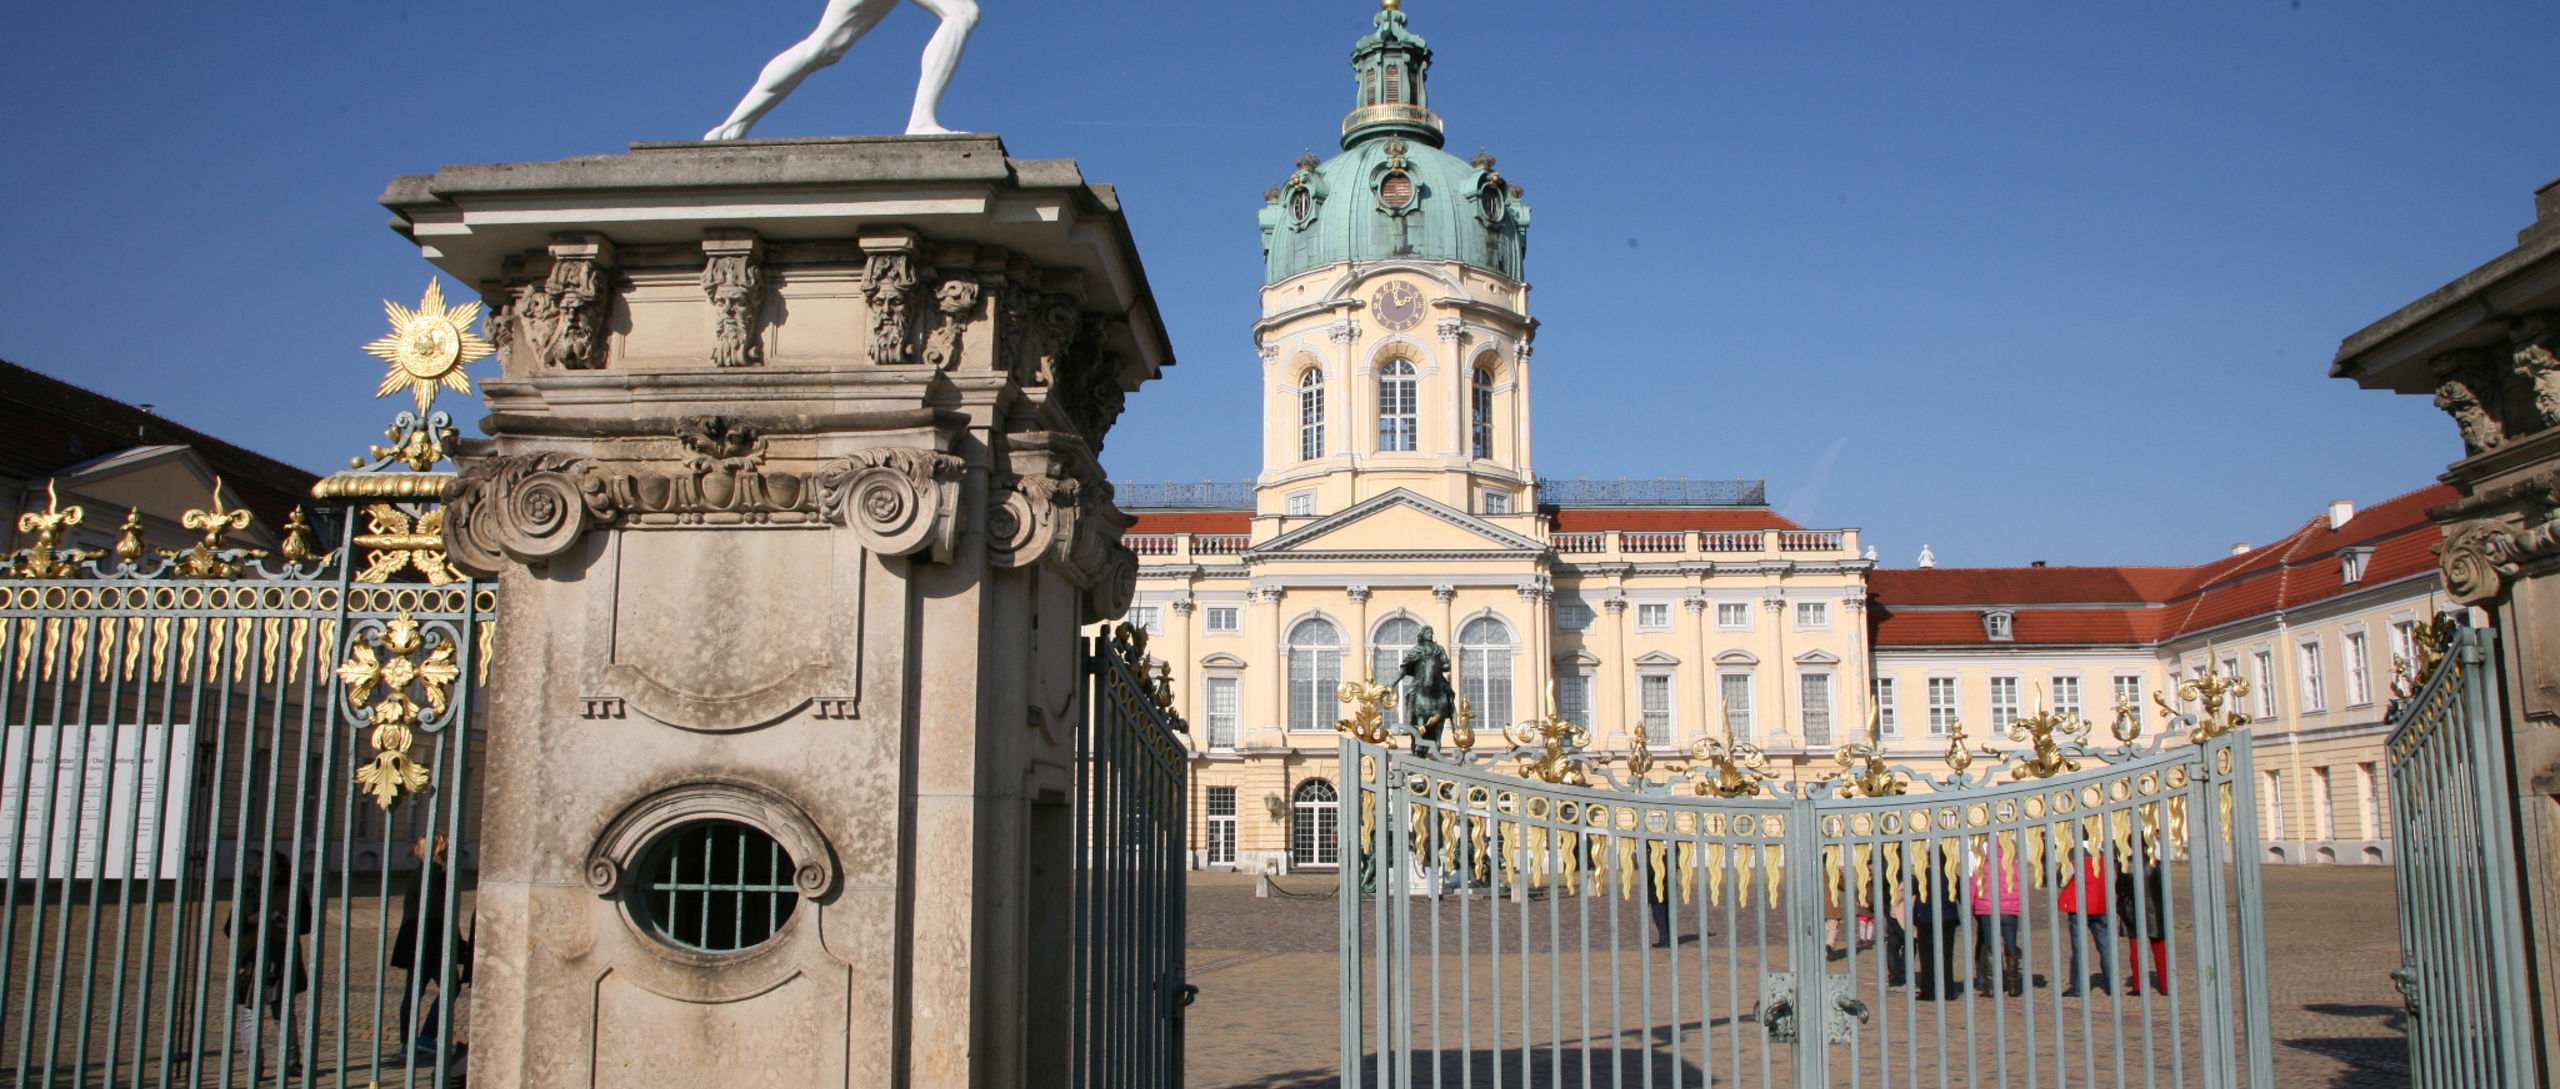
(2142, 917)
(1937, 919)
(277, 920)
(419, 947)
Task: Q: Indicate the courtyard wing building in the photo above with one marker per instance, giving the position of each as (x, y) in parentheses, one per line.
(1398, 492)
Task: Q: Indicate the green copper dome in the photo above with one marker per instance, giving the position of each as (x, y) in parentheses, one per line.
(1393, 193)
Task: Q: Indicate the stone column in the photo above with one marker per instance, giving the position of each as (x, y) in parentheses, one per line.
(796, 515)
(1703, 721)
(1358, 637)
(1619, 668)
(1270, 692)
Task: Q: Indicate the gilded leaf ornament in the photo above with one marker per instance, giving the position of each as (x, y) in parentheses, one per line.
(1863, 773)
(2040, 731)
(428, 347)
(396, 546)
(45, 559)
(210, 558)
(1735, 768)
(387, 663)
(2209, 693)
(1368, 701)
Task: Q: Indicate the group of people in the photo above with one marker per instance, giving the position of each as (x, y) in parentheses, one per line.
(268, 923)
(2095, 900)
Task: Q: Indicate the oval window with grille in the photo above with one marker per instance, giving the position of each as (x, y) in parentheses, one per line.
(1396, 191)
(716, 886)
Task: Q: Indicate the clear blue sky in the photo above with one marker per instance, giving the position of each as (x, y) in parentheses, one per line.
(2020, 281)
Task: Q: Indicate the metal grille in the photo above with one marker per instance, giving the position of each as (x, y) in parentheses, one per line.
(1130, 793)
(717, 887)
(2461, 927)
(1521, 930)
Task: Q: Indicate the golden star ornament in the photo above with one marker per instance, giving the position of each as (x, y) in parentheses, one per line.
(429, 347)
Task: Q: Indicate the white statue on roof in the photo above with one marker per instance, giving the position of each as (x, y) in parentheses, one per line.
(844, 23)
(1928, 558)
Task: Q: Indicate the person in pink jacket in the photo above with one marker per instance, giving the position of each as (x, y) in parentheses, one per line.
(2002, 904)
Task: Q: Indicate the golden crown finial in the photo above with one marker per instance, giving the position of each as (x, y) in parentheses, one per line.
(1391, 5)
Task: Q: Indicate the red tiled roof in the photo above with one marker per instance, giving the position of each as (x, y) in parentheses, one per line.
(1194, 521)
(1592, 519)
(2149, 604)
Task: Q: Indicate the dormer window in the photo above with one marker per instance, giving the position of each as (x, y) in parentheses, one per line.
(2351, 565)
(1999, 625)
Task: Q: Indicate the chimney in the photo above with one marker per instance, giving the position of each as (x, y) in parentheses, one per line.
(2339, 511)
(2037, 563)
(2239, 548)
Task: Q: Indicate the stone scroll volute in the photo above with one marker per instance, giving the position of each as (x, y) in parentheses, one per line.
(899, 500)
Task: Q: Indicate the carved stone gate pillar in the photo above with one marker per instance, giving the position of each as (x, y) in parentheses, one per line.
(791, 483)
(2487, 348)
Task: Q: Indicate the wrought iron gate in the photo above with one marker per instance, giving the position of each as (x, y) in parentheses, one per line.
(1539, 918)
(207, 865)
(216, 762)
(1130, 793)
(2462, 970)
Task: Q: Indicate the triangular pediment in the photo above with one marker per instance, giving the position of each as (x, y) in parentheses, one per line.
(1400, 522)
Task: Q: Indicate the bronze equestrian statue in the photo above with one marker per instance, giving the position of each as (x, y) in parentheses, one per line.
(1433, 700)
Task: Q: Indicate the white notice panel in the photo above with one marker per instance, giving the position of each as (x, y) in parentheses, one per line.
(103, 785)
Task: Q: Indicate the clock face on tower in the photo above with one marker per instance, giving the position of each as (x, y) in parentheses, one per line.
(1398, 305)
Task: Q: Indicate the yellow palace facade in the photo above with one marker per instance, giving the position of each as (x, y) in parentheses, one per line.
(1397, 493)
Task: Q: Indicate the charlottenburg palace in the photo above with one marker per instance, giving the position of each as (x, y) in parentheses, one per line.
(1398, 493)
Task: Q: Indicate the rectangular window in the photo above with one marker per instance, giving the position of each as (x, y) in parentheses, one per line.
(1311, 417)
(2129, 691)
(1314, 674)
(1573, 698)
(1147, 618)
(1573, 616)
(2266, 682)
(1733, 616)
(1884, 706)
(1222, 712)
(1222, 826)
(2066, 696)
(1813, 692)
(1812, 615)
(2274, 804)
(2004, 702)
(1654, 693)
(2324, 806)
(1653, 616)
(1942, 706)
(2369, 800)
(2359, 670)
(1301, 504)
(1225, 619)
(1735, 689)
(2404, 646)
(2313, 699)
(1497, 502)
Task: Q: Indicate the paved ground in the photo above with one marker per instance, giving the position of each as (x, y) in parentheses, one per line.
(1267, 1014)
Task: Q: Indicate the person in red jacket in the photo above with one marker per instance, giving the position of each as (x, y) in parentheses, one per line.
(2083, 903)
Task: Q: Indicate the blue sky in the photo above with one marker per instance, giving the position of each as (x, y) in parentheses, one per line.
(2018, 281)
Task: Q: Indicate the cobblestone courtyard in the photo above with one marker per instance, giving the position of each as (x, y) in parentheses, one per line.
(1267, 1019)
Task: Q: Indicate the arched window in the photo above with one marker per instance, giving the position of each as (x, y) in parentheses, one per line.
(1315, 671)
(1386, 657)
(1484, 412)
(1398, 422)
(1311, 415)
(1485, 647)
(1315, 821)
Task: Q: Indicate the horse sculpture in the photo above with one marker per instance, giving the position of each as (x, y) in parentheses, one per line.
(1433, 700)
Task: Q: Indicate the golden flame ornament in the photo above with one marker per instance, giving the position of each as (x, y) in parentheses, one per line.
(429, 346)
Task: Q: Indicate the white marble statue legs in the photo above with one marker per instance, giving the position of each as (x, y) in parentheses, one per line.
(845, 22)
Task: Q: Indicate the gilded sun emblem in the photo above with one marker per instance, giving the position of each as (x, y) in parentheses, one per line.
(429, 347)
